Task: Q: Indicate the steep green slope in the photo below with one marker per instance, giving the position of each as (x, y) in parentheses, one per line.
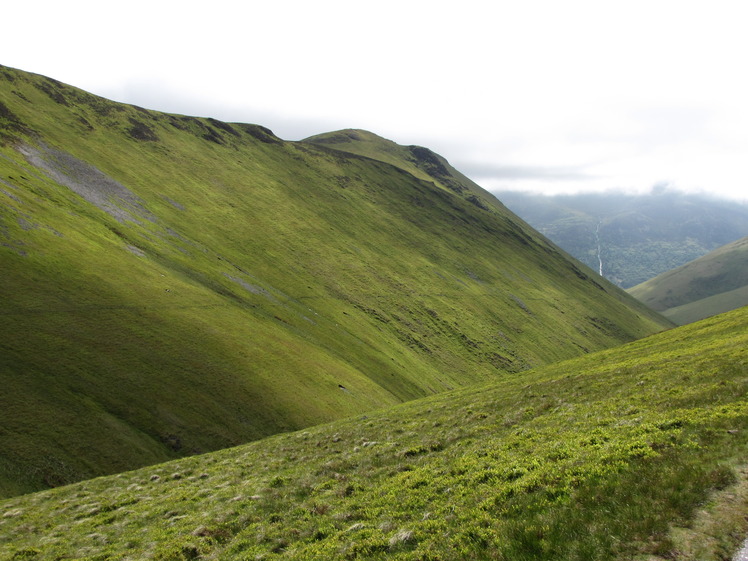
(614, 455)
(710, 285)
(633, 238)
(173, 285)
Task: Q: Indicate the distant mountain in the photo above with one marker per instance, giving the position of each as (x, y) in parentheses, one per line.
(710, 285)
(632, 238)
(173, 285)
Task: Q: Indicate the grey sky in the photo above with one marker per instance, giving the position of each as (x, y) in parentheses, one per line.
(541, 95)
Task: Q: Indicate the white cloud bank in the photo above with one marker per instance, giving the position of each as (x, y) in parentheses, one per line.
(543, 95)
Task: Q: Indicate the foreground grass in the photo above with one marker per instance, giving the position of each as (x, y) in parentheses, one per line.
(608, 456)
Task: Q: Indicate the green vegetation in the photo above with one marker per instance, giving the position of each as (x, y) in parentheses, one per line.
(710, 285)
(708, 306)
(628, 453)
(175, 285)
(416, 160)
(635, 237)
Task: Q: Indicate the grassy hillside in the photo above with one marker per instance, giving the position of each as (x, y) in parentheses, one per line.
(712, 284)
(633, 238)
(629, 453)
(173, 285)
(709, 306)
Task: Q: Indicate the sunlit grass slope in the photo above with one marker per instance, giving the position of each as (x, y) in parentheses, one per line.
(608, 456)
(709, 285)
(173, 285)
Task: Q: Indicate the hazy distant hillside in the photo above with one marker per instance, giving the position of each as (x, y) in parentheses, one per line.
(710, 285)
(632, 238)
(173, 285)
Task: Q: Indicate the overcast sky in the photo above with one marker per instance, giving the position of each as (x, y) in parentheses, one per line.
(551, 96)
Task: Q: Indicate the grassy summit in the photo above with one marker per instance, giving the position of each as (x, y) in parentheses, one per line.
(416, 160)
(174, 285)
(629, 453)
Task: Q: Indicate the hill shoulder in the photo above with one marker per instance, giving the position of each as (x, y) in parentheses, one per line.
(709, 285)
(419, 161)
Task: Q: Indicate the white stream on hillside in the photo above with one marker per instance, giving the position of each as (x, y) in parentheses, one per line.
(599, 253)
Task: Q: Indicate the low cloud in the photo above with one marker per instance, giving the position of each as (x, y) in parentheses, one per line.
(520, 173)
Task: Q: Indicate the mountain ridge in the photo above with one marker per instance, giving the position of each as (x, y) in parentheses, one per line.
(416, 160)
(174, 285)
